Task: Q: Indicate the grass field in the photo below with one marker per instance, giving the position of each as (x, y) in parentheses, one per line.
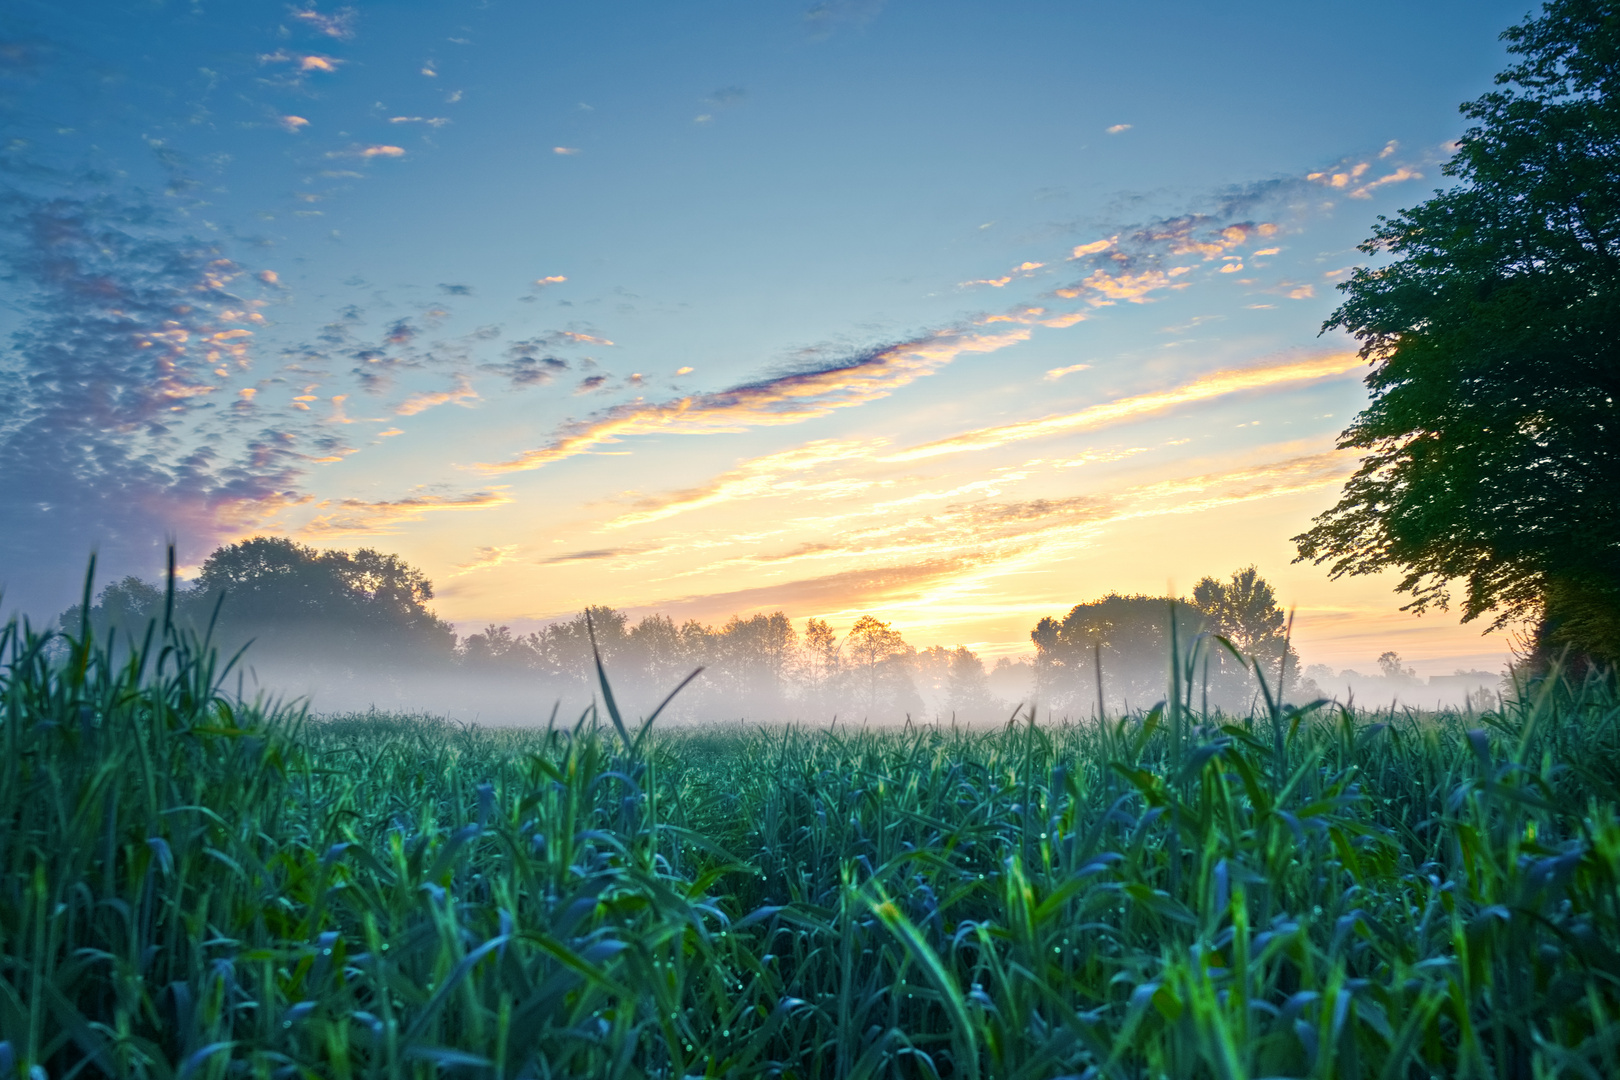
(194, 887)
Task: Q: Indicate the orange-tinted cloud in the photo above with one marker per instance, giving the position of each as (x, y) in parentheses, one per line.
(1101, 288)
(771, 476)
(947, 556)
(486, 558)
(462, 391)
(1022, 270)
(1210, 386)
(303, 61)
(1093, 248)
(357, 516)
(786, 399)
(1058, 372)
(1401, 174)
(339, 24)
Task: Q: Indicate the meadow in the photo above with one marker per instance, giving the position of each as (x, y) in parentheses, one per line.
(193, 886)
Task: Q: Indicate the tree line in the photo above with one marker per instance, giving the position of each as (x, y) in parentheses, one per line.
(364, 615)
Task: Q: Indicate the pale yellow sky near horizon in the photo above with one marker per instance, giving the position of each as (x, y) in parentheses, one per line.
(965, 539)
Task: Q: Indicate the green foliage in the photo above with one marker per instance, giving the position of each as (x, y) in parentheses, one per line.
(1493, 441)
(1125, 640)
(193, 886)
(322, 607)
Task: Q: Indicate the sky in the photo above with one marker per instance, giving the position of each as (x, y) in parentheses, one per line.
(958, 314)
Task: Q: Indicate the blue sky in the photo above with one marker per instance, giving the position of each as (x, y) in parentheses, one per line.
(954, 313)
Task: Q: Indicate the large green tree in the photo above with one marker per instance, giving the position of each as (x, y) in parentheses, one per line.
(1492, 439)
(337, 606)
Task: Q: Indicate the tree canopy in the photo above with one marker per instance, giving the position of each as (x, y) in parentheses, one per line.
(1128, 637)
(1492, 439)
(295, 602)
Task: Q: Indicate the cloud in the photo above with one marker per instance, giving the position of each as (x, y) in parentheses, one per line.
(1347, 176)
(293, 123)
(360, 517)
(1102, 288)
(1058, 372)
(455, 290)
(302, 61)
(1215, 385)
(117, 425)
(584, 556)
(785, 399)
(1115, 129)
(554, 279)
(487, 558)
(565, 150)
(772, 476)
(1399, 175)
(523, 365)
(579, 339)
(418, 403)
(1093, 248)
(1022, 270)
(339, 24)
(825, 18)
(368, 152)
(931, 563)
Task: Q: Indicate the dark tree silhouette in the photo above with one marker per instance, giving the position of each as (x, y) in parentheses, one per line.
(334, 606)
(1133, 636)
(1493, 440)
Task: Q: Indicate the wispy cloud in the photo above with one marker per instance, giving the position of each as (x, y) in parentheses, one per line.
(487, 558)
(361, 517)
(1210, 386)
(772, 476)
(1022, 270)
(943, 562)
(825, 18)
(339, 24)
(302, 62)
(1058, 372)
(785, 399)
(1348, 176)
(417, 403)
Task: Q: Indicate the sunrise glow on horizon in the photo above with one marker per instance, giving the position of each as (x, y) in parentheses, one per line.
(957, 314)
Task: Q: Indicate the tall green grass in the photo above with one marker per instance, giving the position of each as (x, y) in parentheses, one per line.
(194, 886)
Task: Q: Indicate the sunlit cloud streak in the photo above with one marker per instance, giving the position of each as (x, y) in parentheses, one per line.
(925, 558)
(339, 24)
(417, 403)
(786, 399)
(487, 558)
(352, 517)
(1215, 385)
(772, 476)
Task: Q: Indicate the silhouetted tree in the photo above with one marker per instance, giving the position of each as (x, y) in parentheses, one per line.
(878, 657)
(1133, 636)
(1244, 611)
(324, 606)
(1493, 437)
